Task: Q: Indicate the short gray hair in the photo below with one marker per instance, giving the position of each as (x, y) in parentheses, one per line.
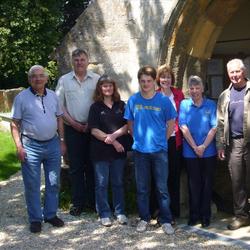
(78, 52)
(35, 67)
(236, 61)
(195, 80)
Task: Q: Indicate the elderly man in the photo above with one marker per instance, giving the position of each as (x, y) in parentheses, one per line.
(75, 91)
(37, 130)
(233, 137)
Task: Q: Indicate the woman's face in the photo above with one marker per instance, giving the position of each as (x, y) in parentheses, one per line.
(107, 89)
(165, 80)
(195, 92)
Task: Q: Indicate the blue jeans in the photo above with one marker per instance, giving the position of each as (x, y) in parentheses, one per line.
(49, 154)
(104, 169)
(157, 163)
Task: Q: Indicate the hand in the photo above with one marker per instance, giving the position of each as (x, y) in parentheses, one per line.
(79, 126)
(118, 147)
(199, 150)
(63, 148)
(110, 138)
(21, 154)
(221, 154)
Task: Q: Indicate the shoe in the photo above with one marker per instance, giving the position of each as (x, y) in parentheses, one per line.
(106, 222)
(75, 211)
(55, 222)
(205, 223)
(167, 228)
(173, 222)
(122, 219)
(237, 223)
(192, 222)
(142, 226)
(35, 227)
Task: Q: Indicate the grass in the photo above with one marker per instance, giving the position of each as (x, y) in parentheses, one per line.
(9, 164)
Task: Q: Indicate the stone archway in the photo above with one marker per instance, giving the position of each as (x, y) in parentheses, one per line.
(191, 33)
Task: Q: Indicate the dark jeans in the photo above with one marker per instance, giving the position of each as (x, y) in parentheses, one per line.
(239, 168)
(200, 182)
(174, 166)
(157, 164)
(81, 170)
(113, 170)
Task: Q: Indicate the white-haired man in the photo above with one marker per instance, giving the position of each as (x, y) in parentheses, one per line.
(233, 137)
(37, 130)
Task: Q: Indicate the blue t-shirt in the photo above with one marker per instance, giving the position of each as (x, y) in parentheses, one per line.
(199, 121)
(236, 111)
(149, 118)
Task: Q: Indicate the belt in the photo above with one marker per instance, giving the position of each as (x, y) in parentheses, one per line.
(38, 140)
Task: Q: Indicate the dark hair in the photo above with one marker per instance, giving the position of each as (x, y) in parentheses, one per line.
(147, 70)
(162, 70)
(78, 52)
(98, 95)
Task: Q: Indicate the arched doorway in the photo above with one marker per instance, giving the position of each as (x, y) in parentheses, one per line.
(195, 42)
(191, 35)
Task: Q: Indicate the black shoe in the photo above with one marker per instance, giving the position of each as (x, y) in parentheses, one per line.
(35, 227)
(75, 211)
(237, 223)
(192, 222)
(55, 222)
(205, 223)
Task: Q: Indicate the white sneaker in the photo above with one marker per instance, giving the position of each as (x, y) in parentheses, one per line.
(167, 228)
(106, 222)
(142, 226)
(122, 219)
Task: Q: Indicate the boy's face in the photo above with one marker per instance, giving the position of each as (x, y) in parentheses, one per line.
(147, 83)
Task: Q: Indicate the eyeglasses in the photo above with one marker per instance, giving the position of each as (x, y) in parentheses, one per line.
(38, 76)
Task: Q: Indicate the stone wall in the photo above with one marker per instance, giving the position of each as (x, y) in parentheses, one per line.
(7, 98)
(120, 36)
(123, 35)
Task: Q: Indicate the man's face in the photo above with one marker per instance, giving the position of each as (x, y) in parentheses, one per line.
(80, 63)
(236, 75)
(38, 79)
(147, 83)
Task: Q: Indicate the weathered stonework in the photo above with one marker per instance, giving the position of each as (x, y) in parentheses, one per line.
(7, 98)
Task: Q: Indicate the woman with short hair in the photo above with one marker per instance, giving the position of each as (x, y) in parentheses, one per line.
(197, 121)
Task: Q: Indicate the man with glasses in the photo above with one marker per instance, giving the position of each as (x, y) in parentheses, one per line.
(37, 130)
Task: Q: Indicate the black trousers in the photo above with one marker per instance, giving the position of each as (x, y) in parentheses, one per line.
(81, 170)
(200, 173)
(239, 168)
(174, 175)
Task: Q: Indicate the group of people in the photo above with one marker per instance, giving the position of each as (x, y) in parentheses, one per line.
(86, 117)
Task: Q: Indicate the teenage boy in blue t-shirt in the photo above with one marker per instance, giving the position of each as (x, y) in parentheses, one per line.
(151, 119)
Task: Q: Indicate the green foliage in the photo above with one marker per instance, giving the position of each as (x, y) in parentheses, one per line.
(30, 30)
(28, 35)
(8, 160)
(52, 69)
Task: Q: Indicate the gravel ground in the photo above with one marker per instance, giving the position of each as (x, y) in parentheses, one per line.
(84, 232)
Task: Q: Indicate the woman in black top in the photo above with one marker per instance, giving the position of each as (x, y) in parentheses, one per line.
(108, 148)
